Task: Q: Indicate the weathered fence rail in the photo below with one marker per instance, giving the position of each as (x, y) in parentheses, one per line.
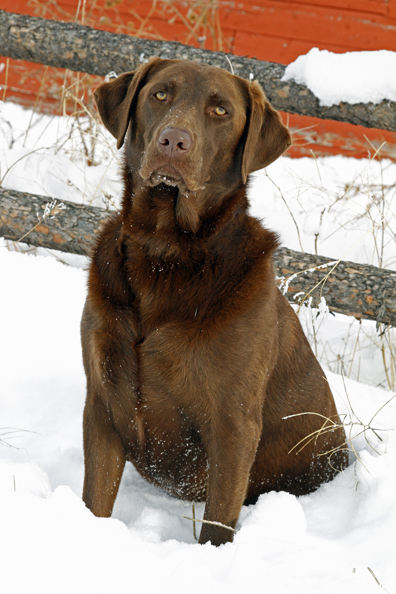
(83, 49)
(358, 290)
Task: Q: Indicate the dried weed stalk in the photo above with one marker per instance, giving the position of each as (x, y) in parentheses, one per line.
(365, 205)
(353, 426)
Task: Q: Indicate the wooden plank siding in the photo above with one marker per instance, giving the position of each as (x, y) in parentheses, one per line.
(272, 30)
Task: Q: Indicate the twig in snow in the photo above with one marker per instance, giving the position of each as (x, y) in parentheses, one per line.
(209, 522)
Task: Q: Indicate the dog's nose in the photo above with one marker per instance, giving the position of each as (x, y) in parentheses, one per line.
(174, 142)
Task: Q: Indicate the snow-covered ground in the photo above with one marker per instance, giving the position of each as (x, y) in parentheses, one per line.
(340, 539)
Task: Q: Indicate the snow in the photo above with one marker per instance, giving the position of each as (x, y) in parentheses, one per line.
(338, 539)
(353, 77)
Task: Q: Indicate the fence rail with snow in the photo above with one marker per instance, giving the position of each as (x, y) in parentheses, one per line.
(83, 49)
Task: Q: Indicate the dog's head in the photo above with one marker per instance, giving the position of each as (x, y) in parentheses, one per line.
(191, 126)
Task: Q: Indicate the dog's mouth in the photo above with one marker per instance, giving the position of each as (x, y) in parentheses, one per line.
(167, 174)
(187, 211)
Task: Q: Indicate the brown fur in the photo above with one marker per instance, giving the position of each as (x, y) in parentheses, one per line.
(193, 357)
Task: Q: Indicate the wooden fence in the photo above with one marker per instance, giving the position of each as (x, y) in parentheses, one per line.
(82, 49)
(273, 30)
(363, 291)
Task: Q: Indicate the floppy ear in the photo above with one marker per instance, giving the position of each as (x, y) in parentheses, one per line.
(267, 136)
(116, 100)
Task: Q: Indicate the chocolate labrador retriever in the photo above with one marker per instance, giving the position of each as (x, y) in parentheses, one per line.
(195, 362)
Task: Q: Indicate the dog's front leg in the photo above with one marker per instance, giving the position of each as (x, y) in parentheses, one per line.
(104, 457)
(231, 452)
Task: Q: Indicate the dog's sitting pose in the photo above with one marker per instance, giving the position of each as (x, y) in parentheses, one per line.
(193, 357)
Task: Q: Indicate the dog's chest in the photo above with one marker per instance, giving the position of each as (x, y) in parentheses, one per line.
(166, 292)
(193, 329)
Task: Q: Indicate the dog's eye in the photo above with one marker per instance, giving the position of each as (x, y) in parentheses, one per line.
(220, 111)
(161, 96)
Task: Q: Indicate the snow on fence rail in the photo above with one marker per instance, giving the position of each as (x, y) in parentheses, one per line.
(83, 49)
(363, 291)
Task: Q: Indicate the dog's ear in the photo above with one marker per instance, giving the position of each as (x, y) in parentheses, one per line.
(116, 100)
(267, 137)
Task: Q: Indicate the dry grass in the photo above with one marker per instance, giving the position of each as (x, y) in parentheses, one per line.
(7, 434)
(353, 426)
(358, 343)
(198, 20)
(365, 209)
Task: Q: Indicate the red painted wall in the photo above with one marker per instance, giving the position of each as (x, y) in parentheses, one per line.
(276, 31)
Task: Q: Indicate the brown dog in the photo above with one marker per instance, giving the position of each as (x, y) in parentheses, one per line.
(193, 357)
